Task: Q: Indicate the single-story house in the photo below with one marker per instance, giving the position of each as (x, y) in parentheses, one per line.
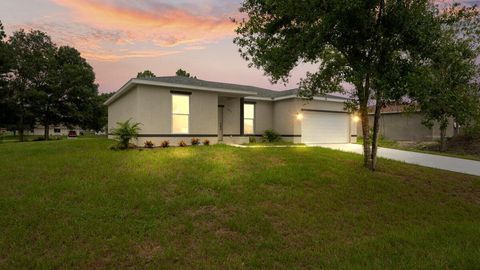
(399, 125)
(180, 108)
(59, 130)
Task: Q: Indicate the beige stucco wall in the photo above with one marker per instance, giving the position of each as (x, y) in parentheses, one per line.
(406, 127)
(263, 116)
(231, 115)
(123, 109)
(284, 116)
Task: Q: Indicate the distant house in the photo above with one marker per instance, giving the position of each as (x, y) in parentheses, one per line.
(398, 125)
(179, 108)
(59, 130)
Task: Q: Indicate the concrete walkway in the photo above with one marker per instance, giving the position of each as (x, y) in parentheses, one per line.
(433, 161)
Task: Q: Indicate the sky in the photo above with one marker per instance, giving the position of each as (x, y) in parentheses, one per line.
(120, 38)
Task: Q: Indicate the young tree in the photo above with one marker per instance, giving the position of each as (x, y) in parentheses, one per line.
(363, 42)
(146, 74)
(184, 73)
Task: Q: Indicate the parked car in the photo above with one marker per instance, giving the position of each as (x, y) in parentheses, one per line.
(72, 134)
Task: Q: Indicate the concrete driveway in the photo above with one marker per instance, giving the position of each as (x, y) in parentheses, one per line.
(433, 161)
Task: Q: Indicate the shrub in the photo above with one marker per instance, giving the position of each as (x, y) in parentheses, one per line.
(165, 144)
(252, 139)
(206, 142)
(126, 131)
(271, 136)
(182, 143)
(195, 141)
(149, 144)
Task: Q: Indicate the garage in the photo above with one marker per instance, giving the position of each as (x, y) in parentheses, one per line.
(325, 127)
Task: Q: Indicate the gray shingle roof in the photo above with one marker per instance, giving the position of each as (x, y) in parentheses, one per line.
(261, 92)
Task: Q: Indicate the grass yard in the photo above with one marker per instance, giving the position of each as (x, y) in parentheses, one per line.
(76, 204)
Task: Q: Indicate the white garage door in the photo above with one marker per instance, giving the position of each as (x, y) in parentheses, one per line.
(325, 127)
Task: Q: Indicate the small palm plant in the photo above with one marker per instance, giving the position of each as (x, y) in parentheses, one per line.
(125, 132)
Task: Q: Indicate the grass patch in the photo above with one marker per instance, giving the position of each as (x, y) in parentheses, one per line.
(76, 204)
(279, 143)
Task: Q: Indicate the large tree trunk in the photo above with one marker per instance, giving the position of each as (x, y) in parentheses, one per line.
(376, 131)
(21, 129)
(443, 136)
(363, 102)
(46, 132)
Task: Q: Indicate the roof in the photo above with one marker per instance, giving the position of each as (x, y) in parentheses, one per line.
(193, 83)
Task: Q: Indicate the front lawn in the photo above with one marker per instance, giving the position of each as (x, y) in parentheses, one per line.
(77, 204)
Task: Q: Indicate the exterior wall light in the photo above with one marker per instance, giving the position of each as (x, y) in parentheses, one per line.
(299, 116)
(356, 119)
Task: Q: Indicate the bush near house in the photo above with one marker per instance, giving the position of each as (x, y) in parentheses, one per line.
(206, 142)
(165, 144)
(149, 144)
(271, 136)
(125, 132)
(195, 141)
(182, 144)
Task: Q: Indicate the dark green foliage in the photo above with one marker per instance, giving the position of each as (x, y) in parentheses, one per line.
(184, 73)
(182, 144)
(165, 144)
(195, 141)
(149, 144)
(271, 135)
(125, 132)
(365, 43)
(146, 74)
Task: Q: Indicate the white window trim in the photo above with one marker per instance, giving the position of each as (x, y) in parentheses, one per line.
(173, 114)
(254, 116)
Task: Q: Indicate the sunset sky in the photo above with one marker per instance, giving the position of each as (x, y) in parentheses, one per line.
(122, 37)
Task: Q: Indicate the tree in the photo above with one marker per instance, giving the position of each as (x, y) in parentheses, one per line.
(146, 74)
(365, 43)
(97, 116)
(447, 86)
(32, 54)
(5, 69)
(71, 92)
(184, 73)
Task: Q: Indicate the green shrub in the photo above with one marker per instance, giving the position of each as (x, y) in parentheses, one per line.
(195, 141)
(206, 142)
(165, 144)
(473, 131)
(149, 144)
(182, 143)
(252, 139)
(125, 132)
(271, 136)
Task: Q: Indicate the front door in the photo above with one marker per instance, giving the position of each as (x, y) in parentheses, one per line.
(220, 124)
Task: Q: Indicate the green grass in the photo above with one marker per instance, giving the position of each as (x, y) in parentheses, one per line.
(419, 148)
(280, 143)
(76, 204)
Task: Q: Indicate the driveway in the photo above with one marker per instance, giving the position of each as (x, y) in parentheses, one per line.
(433, 161)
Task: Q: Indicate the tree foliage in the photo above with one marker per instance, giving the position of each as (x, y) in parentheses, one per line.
(366, 43)
(146, 74)
(184, 73)
(46, 84)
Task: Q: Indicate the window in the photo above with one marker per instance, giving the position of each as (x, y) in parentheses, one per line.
(56, 130)
(248, 118)
(180, 113)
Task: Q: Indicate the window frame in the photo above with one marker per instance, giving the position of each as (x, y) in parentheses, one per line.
(173, 114)
(253, 119)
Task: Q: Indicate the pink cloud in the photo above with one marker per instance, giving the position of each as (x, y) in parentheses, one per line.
(164, 25)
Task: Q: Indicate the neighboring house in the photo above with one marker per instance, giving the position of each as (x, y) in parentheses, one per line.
(53, 131)
(399, 125)
(180, 108)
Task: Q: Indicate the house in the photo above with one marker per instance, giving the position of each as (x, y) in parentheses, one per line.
(397, 124)
(59, 130)
(180, 108)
